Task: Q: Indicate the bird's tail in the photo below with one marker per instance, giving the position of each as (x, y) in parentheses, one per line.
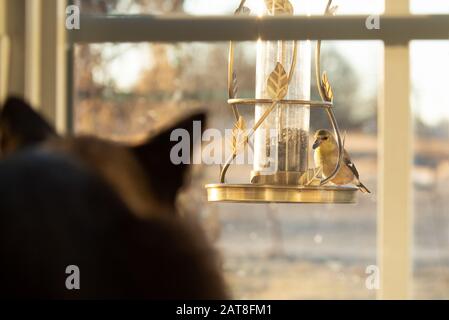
(362, 187)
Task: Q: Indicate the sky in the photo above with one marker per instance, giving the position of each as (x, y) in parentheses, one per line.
(429, 59)
(316, 6)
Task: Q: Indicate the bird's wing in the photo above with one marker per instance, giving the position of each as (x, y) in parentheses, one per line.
(347, 161)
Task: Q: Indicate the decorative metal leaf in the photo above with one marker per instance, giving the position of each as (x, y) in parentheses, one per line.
(327, 88)
(234, 86)
(239, 136)
(332, 11)
(312, 177)
(277, 83)
(276, 7)
(243, 11)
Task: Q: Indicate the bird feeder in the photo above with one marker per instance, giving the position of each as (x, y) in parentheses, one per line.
(281, 172)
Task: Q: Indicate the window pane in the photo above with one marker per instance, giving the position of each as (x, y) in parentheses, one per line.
(429, 66)
(219, 7)
(269, 251)
(429, 6)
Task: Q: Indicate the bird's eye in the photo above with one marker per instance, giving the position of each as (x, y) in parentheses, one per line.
(325, 138)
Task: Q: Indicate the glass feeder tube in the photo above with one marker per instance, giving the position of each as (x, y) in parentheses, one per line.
(281, 142)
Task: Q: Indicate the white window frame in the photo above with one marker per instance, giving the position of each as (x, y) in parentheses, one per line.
(33, 55)
(398, 28)
(4, 50)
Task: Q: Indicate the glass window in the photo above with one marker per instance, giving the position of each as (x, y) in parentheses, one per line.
(429, 66)
(269, 251)
(220, 7)
(431, 168)
(429, 6)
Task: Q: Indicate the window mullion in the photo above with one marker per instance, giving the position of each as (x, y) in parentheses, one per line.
(395, 164)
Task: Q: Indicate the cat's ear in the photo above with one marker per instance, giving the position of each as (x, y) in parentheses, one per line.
(166, 156)
(21, 126)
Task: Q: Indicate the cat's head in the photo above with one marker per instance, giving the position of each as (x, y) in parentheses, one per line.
(142, 174)
(21, 127)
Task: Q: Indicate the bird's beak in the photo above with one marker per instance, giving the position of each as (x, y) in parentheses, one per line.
(317, 143)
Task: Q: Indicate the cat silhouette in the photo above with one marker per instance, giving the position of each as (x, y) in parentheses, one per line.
(106, 208)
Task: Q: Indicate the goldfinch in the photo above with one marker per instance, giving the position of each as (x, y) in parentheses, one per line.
(326, 157)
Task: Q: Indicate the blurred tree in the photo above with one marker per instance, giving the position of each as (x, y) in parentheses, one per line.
(87, 61)
(100, 107)
(161, 77)
(141, 6)
(96, 6)
(196, 73)
(346, 88)
(424, 130)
